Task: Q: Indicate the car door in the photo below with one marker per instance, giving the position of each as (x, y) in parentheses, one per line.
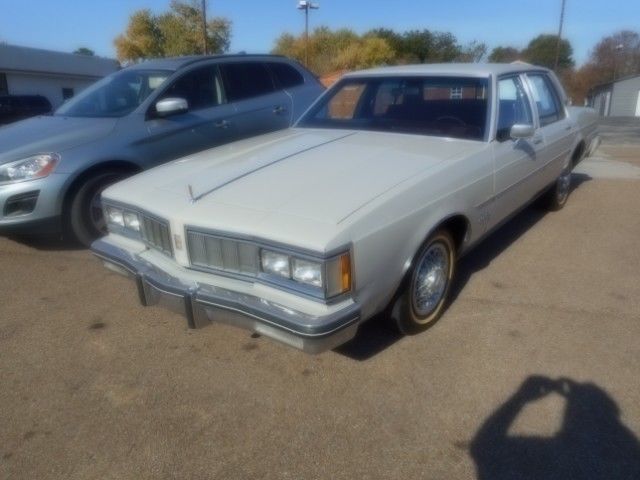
(260, 105)
(554, 126)
(515, 160)
(208, 122)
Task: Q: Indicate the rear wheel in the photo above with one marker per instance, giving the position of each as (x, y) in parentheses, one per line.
(556, 197)
(424, 297)
(85, 220)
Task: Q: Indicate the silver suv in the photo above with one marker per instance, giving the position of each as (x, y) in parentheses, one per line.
(53, 168)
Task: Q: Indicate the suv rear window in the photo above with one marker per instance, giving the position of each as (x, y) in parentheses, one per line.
(246, 80)
(286, 75)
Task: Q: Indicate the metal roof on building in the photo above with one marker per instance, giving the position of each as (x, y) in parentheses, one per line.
(26, 59)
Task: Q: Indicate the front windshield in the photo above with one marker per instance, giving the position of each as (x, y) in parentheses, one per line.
(116, 95)
(437, 106)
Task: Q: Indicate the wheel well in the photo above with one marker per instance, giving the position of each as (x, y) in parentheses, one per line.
(458, 227)
(577, 153)
(117, 165)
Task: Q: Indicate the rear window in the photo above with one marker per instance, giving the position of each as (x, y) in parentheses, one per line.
(246, 80)
(437, 106)
(286, 75)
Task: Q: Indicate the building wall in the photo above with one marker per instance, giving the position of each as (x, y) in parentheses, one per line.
(624, 99)
(49, 86)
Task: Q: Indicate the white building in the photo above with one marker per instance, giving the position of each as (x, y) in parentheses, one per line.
(55, 75)
(617, 99)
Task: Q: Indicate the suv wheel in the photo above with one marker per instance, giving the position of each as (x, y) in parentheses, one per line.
(85, 220)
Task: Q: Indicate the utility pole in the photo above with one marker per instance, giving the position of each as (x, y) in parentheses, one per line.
(306, 6)
(555, 65)
(204, 27)
(616, 59)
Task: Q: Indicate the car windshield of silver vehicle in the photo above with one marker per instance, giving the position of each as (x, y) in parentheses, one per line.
(436, 106)
(116, 95)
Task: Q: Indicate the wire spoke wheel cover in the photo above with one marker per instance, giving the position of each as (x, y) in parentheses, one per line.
(431, 279)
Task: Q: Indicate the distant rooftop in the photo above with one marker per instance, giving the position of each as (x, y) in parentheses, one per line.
(26, 59)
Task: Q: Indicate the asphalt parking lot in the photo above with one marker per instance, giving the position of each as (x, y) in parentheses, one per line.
(532, 372)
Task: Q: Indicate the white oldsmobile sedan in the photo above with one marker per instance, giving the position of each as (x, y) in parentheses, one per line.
(363, 207)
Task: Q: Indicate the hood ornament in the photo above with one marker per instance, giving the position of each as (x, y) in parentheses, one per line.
(192, 199)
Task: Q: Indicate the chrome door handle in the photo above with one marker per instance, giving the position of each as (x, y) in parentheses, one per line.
(278, 109)
(221, 124)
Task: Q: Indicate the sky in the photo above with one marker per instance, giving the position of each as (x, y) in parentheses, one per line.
(68, 24)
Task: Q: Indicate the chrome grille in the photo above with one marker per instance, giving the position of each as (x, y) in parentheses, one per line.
(156, 233)
(219, 253)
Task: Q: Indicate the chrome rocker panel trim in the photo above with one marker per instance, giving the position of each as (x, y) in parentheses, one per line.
(202, 304)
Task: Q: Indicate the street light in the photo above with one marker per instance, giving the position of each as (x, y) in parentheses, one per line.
(306, 6)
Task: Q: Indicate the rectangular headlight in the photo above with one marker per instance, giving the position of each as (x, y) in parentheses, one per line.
(275, 263)
(304, 271)
(132, 221)
(115, 216)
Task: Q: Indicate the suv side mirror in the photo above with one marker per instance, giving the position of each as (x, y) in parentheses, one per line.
(171, 106)
(521, 130)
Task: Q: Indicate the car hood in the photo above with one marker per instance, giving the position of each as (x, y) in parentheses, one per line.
(313, 174)
(50, 134)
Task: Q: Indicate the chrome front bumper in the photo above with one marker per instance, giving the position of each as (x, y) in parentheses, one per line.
(202, 304)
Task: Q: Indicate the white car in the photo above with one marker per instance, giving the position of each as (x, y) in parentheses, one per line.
(365, 205)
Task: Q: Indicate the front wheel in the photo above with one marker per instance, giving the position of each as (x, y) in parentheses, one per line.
(85, 221)
(426, 292)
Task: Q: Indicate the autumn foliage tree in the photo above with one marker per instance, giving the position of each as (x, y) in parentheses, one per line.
(173, 33)
(343, 49)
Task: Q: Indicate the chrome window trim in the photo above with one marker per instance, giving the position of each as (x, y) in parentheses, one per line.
(285, 284)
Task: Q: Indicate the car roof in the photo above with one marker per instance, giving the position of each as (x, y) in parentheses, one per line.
(176, 63)
(453, 69)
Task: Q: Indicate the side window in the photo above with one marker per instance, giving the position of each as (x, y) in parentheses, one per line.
(201, 88)
(513, 107)
(549, 109)
(344, 103)
(286, 75)
(246, 80)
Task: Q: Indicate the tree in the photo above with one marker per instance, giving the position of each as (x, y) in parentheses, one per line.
(614, 56)
(142, 39)
(617, 55)
(473, 52)
(176, 32)
(445, 48)
(542, 51)
(393, 39)
(84, 51)
(364, 53)
(504, 55)
(416, 45)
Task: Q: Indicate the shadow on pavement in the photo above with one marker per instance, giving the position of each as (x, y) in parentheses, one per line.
(375, 335)
(592, 443)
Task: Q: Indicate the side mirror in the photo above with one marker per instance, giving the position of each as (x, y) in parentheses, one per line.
(171, 106)
(521, 130)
